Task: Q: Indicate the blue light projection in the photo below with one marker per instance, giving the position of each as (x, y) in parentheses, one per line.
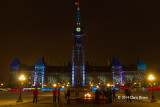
(39, 70)
(83, 76)
(73, 83)
(140, 65)
(35, 78)
(121, 77)
(117, 68)
(94, 88)
(50, 89)
(78, 35)
(15, 64)
(78, 60)
(78, 17)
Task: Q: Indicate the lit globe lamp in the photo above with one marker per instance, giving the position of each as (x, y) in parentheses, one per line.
(21, 78)
(151, 78)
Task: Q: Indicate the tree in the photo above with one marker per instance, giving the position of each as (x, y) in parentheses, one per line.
(89, 78)
(64, 78)
(140, 79)
(52, 79)
(117, 79)
(129, 77)
(102, 79)
(128, 80)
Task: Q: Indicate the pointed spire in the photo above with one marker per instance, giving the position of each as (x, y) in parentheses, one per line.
(78, 18)
(40, 61)
(78, 28)
(78, 8)
(116, 61)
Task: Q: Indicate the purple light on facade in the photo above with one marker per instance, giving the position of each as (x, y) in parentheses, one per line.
(121, 77)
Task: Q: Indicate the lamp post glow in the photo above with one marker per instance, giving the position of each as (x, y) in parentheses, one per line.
(1, 84)
(54, 85)
(21, 78)
(108, 85)
(151, 78)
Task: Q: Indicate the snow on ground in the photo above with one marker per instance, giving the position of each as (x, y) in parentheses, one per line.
(142, 93)
(10, 98)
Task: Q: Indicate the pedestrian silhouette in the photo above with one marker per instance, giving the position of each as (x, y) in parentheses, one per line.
(68, 96)
(65, 93)
(128, 94)
(97, 95)
(55, 91)
(110, 95)
(35, 92)
(77, 93)
(114, 94)
(59, 100)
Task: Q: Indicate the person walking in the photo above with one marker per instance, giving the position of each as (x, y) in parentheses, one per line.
(114, 94)
(103, 93)
(97, 95)
(106, 95)
(128, 94)
(110, 96)
(65, 93)
(68, 96)
(55, 91)
(35, 92)
(59, 100)
(77, 93)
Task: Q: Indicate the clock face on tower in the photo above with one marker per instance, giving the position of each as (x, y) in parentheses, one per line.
(78, 29)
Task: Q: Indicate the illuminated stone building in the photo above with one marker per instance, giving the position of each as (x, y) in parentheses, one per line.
(42, 75)
(77, 73)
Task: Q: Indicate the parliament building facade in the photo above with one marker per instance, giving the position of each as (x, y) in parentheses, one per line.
(77, 73)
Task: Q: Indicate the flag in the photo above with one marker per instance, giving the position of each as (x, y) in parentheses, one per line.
(77, 3)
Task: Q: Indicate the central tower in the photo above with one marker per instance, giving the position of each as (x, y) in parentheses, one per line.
(78, 56)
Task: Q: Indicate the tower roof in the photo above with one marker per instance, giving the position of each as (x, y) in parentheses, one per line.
(140, 61)
(16, 61)
(116, 61)
(78, 17)
(40, 61)
(78, 28)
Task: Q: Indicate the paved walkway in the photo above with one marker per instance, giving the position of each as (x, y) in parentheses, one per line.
(48, 102)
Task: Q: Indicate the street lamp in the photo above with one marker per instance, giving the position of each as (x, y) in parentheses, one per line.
(151, 78)
(21, 78)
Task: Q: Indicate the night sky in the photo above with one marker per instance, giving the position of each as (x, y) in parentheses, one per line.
(126, 29)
